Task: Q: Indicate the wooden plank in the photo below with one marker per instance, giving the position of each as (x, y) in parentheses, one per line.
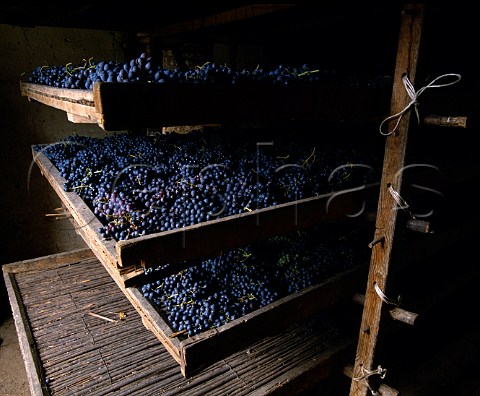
(407, 54)
(76, 119)
(435, 120)
(78, 102)
(123, 106)
(238, 230)
(26, 341)
(80, 96)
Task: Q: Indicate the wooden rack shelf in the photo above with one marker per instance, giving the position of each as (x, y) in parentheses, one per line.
(207, 355)
(127, 269)
(194, 353)
(122, 106)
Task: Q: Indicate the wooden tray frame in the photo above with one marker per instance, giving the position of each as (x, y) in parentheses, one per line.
(196, 352)
(129, 258)
(123, 106)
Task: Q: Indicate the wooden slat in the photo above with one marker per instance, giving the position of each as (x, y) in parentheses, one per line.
(445, 121)
(49, 262)
(80, 96)
(33, 366)
(78, 102)
(407, 54)
(396, 313)
(155, 323)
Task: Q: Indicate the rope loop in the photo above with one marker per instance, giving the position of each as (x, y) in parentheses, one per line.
(414, 98)
(367, 373)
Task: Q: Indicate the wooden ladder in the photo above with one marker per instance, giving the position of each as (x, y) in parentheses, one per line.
(387, 209)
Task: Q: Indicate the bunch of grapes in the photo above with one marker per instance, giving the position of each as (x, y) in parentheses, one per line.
(143, 185)
(144, 68)
(218, 290)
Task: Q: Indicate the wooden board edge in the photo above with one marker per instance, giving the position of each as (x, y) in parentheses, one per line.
(236, 230)
(33, 367)
(77, 103)
(71, 94)
(154, 322)
(77, 119)
(76, 207)
(49, 261)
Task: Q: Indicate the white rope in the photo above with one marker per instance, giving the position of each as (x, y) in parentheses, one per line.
(367, 373)
(400, 201)
(384, 298)
(414, 98)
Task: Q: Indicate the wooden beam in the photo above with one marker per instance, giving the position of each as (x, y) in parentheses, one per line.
(394, 159)
(221, 18)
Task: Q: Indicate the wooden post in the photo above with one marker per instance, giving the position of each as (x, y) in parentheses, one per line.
(394, 158)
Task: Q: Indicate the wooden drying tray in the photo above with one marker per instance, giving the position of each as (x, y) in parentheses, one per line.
(129, 258)
(122, 106)
(193, 354)
(55, 334)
